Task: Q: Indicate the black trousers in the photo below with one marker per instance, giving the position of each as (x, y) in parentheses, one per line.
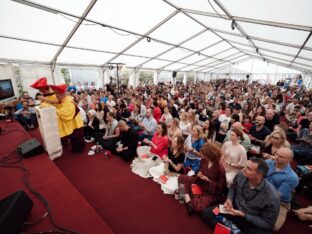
(109, 144)
(89, 132)
(76, 140)
(306, 180)
(210, 218)
(127, 155)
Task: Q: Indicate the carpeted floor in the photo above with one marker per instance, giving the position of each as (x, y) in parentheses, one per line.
(130, 204)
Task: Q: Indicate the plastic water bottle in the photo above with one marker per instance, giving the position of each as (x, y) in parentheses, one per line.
(229, 224)
(97, 147)
(181, 193)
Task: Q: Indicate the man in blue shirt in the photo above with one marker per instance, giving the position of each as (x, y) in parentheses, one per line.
(284, 179)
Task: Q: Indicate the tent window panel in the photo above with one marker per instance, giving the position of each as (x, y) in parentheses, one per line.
(129, 61)
(175, 54)
(135, 15)
(202, 41)
(275, 47)
(276, 34)
(22, 21)
(155, 64)
(98, 37)
(174, 66)
(216, 49)
(145, 48)
(12, 49)
(193, 59)
(305, 62)
(200, 5)
(306, 54)
(287, 11)
(83, 57)
(174, 30)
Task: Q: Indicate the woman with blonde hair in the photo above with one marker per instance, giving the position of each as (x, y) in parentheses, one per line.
(193, 144)
(174, 129)
(210, 181)
(275, 141)
(185, 125)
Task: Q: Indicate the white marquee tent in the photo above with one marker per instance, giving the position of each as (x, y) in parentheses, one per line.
(204, 37)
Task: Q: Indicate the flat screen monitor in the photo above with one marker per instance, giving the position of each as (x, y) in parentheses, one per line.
(6, 89)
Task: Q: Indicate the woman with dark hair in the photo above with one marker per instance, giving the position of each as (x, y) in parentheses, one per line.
(166, 116)
(210, 181)
(209, 132)
(166, 174)
(233, 155)
(259, 110)
(156, 111)
(100, 114)
(152, 153)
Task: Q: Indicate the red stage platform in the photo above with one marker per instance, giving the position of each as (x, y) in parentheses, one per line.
(69, 208)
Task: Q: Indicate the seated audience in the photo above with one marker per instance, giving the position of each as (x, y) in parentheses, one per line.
(151, 154)
(128, 141)
(174, 130)
(92, 126)
(111, 136)
(210, 179)
(149, 125)
(166, 116)
(271, 119)
(234, 156)
(100, 114)
(252, 203)
(303, 151)
(305, 214)
(185, 125)
(193, 144)
(171, 166)
(156, 112)
(284, 179)
(273, 143)
(26, 116)
(244, 141)
(209, 133)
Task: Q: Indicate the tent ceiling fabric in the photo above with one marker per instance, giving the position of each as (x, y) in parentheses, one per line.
(182, 35)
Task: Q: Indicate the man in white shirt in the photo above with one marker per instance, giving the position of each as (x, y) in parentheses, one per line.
(110, 103)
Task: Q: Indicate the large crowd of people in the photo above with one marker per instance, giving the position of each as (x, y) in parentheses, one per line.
(225, 148)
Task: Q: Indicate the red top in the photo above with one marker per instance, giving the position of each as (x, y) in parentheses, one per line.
(131, 107)
(157, 113)
(162, 143)
(247, 127)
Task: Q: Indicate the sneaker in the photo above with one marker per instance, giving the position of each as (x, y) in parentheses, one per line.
(91, 153)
